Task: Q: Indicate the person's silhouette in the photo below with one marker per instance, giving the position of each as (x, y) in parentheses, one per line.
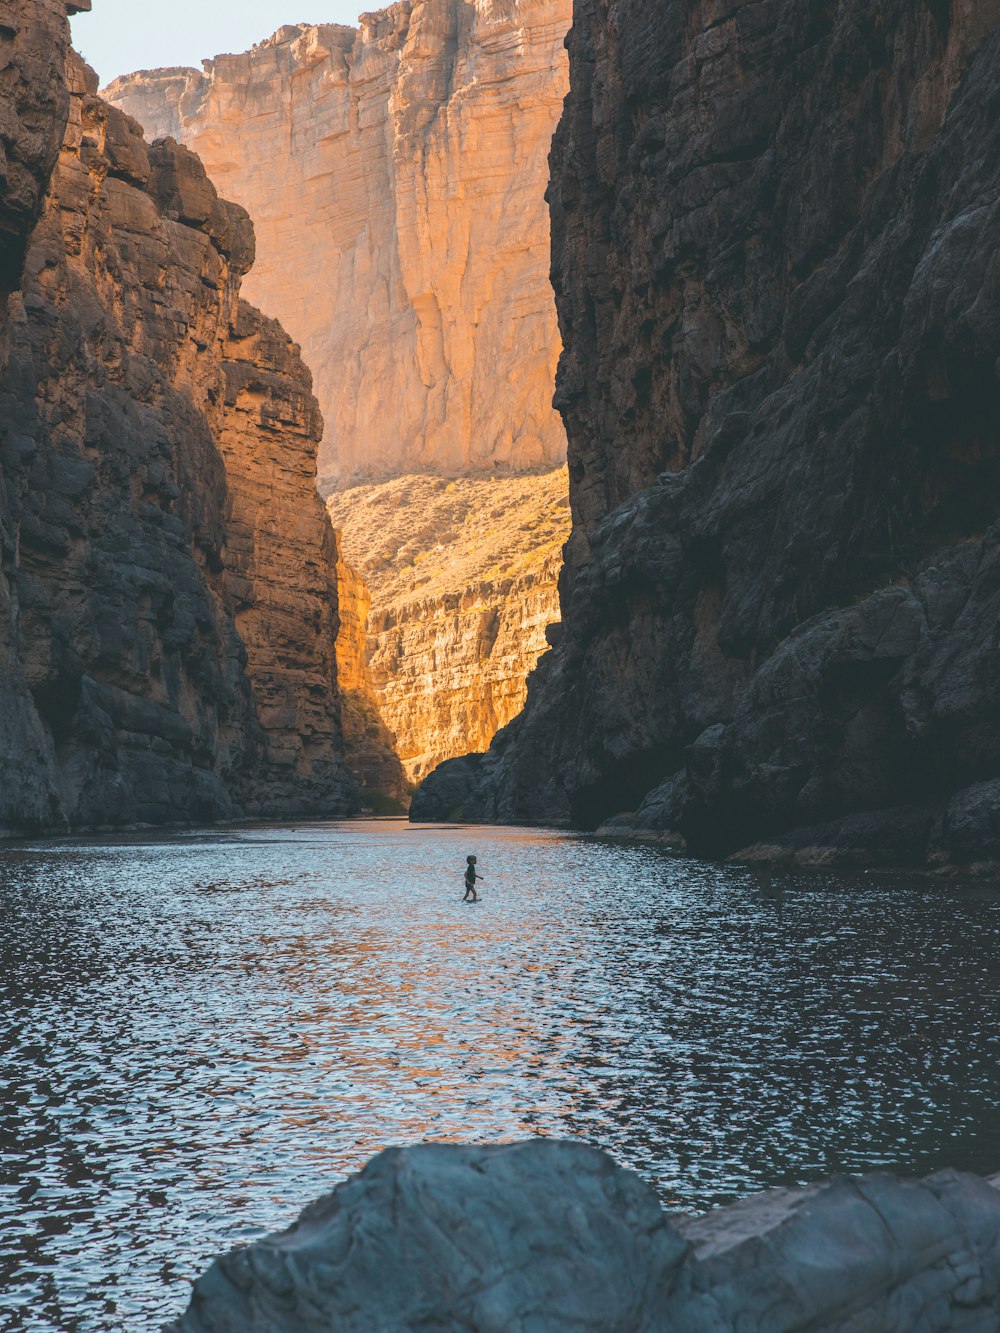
(471, 876)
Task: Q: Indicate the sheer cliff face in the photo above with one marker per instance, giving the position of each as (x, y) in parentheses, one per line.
(34, 40)
(157, 444)
(464, 577)
(396, 178)
(775, 230)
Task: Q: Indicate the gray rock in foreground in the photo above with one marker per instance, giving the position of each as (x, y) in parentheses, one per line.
(548, 1235)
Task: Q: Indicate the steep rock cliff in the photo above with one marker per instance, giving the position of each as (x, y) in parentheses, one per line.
(464, 576)
(775, 230)
(369, 745)
(280, 581)
(157, 443)
(396, 179)
(34, 105)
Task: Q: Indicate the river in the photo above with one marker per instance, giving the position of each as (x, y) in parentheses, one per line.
(199, 1033)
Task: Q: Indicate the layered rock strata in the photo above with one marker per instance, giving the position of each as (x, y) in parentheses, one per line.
(163, 656)
(554, 1235)
(369, 745)
(396, 177)
(774, 232)
(464, 576)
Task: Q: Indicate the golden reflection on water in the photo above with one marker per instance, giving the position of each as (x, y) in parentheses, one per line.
(199, 1034)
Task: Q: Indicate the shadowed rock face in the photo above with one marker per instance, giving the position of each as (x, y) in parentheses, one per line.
(774, 231)
(34, 40)
(546, 1235)
(163, 656)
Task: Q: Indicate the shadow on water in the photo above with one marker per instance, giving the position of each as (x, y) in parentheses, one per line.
(199, 1033)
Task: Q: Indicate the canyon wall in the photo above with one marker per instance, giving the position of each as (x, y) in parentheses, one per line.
(775, 230)
(464, 578)
(370, 748)
(34, 106)
(163, 658)
(396, 178)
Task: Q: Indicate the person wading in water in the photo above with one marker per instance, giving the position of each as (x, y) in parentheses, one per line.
(471, 876)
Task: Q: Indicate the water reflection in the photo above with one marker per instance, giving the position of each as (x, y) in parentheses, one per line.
(198, 1033)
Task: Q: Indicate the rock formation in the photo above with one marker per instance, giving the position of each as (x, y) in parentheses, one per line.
(774, 237)
(369, 745)
(34, 41)
(396, 178)
(464, 576)
(162, 656)
(553, 1235)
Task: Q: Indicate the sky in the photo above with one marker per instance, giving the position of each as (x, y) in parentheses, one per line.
(120, 36)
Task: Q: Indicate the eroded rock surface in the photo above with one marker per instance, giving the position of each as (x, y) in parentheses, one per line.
(369, 745)
(34, 40)
(464, 579)
(396, 177)
(162, 658)
(775, 229)
(549, 1235)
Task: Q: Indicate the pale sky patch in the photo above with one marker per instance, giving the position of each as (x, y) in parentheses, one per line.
(125, 35)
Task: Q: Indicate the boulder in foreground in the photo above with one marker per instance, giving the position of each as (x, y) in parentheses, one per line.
(547, 1235)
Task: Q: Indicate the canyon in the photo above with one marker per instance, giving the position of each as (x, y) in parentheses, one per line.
(777, 582)
(774, 229)
(168, 584)
(396, 176)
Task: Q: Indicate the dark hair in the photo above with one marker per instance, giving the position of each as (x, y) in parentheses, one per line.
(470, 858)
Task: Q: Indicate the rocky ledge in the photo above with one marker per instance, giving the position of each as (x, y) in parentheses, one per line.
(775, 230)
(547, 1235)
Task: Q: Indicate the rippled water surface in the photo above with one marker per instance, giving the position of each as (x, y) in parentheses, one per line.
(200, 1033)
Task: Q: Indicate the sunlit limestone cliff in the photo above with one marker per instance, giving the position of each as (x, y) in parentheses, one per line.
(168, 603)
(396, 177)
(464, 579)
(775, 230)
(369, 746)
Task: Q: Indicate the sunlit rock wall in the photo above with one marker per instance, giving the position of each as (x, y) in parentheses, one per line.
(396, 178)
(280, 564)
(369, 745)
(464, 577)
(157, 446)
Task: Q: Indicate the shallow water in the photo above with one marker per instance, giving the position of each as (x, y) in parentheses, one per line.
(200, 1033)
